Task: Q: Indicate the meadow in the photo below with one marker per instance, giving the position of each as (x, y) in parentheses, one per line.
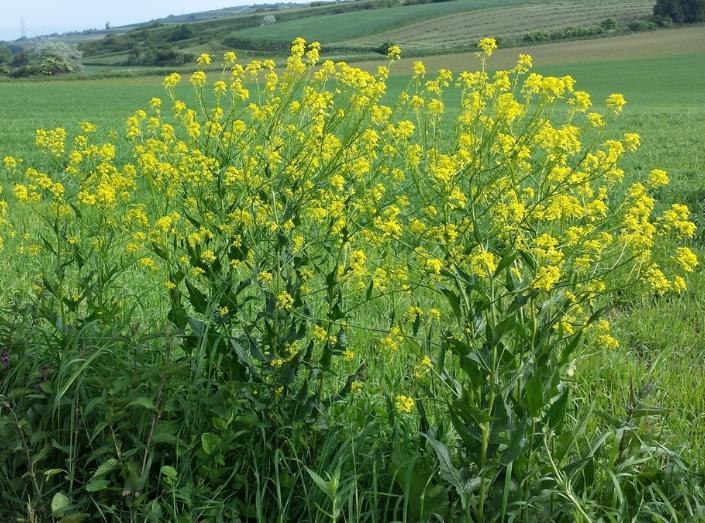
(660, 348)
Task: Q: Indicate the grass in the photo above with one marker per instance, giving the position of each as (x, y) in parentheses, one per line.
(660, 339)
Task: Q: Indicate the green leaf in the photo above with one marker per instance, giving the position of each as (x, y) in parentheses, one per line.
(169, 472)
(534, 394)
(209, 442)
(452, 475)
(59, 504)
(318, 480)
(505, 262)
(555, 414)
(96, 485)
(145, 403)
(196, 297)
(105, 467)
(513, 450)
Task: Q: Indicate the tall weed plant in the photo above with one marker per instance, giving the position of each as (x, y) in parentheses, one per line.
(297, 299)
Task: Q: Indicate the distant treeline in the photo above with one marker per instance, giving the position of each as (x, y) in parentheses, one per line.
(44, 59)
(681, 11)
(609, 25)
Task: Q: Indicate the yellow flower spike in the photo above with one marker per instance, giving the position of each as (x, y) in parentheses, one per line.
(524, 63)
(679, 284)
(230, 58)
(285, 301)
(198, 79)
(616, 102)
(172, 80)
(394, 53)
(404, 404)
(658, 178)
(484, 263)
(487, 45)
(419, 69)
(686, 258)
(10, 162)
(204, 59)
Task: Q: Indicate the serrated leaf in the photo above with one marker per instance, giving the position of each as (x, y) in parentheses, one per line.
(105, 467)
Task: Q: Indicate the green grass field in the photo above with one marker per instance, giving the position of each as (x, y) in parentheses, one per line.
(662, 76)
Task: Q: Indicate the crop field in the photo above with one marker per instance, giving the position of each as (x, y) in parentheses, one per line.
(507, 22)
(278, 300)
(346, 26)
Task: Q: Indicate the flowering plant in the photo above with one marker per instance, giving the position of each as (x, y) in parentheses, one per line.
(293, 229)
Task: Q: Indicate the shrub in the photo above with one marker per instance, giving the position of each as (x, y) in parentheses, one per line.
(681, 11)
(302, 299)
(181, 32)
(609, 24)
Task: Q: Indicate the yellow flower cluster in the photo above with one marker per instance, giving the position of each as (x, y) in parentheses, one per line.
(331, 201)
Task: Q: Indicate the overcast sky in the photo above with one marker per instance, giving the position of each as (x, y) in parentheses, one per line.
(58, 16)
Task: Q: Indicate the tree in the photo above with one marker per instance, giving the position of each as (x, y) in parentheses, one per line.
(57, 58)
(5, 54)
(180, 32)
(681, 11)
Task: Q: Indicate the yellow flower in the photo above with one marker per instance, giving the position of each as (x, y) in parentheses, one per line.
(394, 53)
(419, 69)
(604, 338)
(434, 265)
(204, 59)
(404, 404)
(319, 333)
(172, 80)
(230, 58)
(198, 79)
(679, 284)
(487, 45)
(658, 283)
(686, 258)
(10, 162)
(208, 256)
(220, 88)
(483, 263)
(616, 102)
(658, 178)
(285, 301)
(546, 277)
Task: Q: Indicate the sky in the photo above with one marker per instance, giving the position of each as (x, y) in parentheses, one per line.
(59, 16)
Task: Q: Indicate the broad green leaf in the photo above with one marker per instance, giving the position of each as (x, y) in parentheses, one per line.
(96, 485)
(209, 442)
(59, 504)
(169, 472)
(143, 402)
(534, 394)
